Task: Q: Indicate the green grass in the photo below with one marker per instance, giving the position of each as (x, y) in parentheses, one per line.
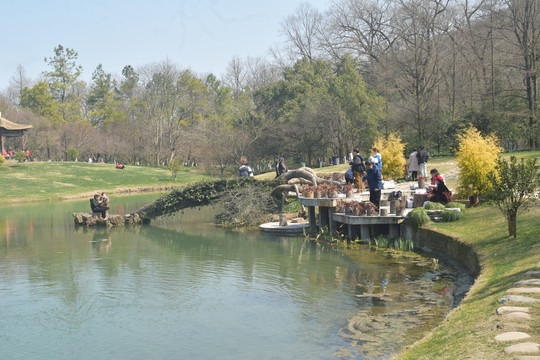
(470, 328)
(37, 181)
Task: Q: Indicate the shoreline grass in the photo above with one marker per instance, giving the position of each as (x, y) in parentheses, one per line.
(469, 330)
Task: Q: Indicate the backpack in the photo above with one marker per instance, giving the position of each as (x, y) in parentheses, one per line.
(358, 164)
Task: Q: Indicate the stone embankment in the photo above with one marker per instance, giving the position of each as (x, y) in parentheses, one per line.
(88, 219)
(515, 316)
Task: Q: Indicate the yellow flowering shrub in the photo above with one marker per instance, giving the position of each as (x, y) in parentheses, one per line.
(476, 157)
(2, 160)
(393, 160)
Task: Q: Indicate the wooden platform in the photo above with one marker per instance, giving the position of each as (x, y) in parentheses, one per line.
(364, 225)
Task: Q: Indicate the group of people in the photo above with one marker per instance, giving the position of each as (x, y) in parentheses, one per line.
(417, 163)
(366, 171)
(246, 170)
(11, 154)
(100, 204)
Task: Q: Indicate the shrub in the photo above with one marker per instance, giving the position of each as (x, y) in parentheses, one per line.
(451, 215)
(418, 217)
(513, 188)
(175, 166)
(73, 154)
(392, 156)
(476, 158)
(434, 206)
(453, 205)
(20, 156)
(2, 160)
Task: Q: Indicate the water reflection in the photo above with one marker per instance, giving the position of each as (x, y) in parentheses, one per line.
(183, 286)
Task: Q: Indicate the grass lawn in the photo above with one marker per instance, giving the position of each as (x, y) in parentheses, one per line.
(470, 329)
(37, 181)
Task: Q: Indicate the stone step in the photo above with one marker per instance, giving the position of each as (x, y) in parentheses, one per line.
(523, 348)
(532, 273)
(517, 299)
(527, 357)
(528, 282)
(516, 315)
(524, 290)
(512, 336)
(506, 309)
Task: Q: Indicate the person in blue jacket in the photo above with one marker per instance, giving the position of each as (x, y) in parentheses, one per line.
(374, 180)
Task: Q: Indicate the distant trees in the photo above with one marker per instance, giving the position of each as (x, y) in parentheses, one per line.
(363, 69)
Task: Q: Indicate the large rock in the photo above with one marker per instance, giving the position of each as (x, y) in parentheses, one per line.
(87, 219)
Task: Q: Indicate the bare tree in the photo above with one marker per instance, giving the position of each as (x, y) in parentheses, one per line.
(525, 22)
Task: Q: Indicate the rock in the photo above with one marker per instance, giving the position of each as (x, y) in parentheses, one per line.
(517, 298)
(528, 282)
(524, 290)
(506, 309)
(512, 336)
(523, 348)
(516, 315)
(513, 327)
(532, 273)
(527, 357)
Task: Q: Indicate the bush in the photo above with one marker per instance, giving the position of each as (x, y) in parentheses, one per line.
(434, 206)
(453, 205)
(175, 166)
(73, 154)
(245, 206)
(418, 217)
(20, 156)
(392, 156)
(452, 215)
(476, 158)
(2, 160)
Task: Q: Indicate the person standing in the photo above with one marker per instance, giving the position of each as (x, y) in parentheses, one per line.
(374, 180)
(423, 157)
(413, 164)
(377, 156)
(281, 168)
(358, 168)
(245, 170)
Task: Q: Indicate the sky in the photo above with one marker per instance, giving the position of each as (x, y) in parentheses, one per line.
(202, 35)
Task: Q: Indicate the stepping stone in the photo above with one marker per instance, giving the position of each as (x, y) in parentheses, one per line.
(517, 298)
(524, 290)
(506, 309)
(528, 282)
(512, 336)
(523, 348)
(527, 357)
(532, 273)
(513, 327)
(517, 315)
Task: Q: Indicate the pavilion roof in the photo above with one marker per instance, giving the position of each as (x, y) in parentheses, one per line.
(10, 125)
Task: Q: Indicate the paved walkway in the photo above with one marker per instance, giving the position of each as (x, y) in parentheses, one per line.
(515, 315)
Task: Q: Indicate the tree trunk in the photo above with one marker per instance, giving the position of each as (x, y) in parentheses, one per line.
(512, 232)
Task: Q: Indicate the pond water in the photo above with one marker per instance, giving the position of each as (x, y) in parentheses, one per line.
(182, 288)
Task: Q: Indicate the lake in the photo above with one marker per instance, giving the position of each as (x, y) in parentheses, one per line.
(182, 288)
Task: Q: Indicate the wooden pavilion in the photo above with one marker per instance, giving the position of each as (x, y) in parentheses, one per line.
(11, 129)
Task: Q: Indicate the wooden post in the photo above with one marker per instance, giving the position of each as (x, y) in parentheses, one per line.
(283, 220)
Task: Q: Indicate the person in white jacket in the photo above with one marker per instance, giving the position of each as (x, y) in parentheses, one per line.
(413, 165)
